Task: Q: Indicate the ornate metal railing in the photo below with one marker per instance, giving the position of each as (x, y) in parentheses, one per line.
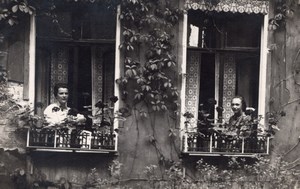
(72, 140)
(216, 144)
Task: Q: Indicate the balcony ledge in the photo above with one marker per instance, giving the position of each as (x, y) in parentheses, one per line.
(82, 141)
(70, 150)
(223, 154)
(216, 145)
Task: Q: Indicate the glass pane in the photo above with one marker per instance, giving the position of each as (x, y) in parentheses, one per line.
(79, 22)
(223, 30)
(243, 30)
(207, 84)
(248, 78)
(59, 27)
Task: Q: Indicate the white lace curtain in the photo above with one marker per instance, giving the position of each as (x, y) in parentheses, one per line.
(234, 6)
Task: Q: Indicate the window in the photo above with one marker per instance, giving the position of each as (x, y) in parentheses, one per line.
(224, 60)
(75, 45)
(225, 57)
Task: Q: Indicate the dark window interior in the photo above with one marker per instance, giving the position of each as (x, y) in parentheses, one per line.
(207, 82)
(248, 78)
(226, 30)
(87, 31)
(80, 78)
(80, 21)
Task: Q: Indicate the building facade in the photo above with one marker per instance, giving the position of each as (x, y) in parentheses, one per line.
(223, 48)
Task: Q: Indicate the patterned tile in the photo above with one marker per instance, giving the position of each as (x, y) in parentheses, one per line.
(229, 84)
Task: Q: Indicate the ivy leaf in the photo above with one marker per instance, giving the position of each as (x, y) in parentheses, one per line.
(146, 88)
(158, 51)
(134, 1)
(167, 84)
(126, 32)
(118, 81)
(129, 47)
(11, 22)
(275, 127)
(138, 96)
(174, 92)
(14, 8)
(155, 108)
(129, 73)
(23, 8)
(143, 114)
(153, 67)
(140, 80)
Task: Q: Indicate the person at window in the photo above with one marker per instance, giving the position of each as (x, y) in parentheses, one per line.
(239, 122)
(58, 113)
(60, 116)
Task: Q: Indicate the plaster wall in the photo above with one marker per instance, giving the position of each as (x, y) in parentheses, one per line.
(285, 88)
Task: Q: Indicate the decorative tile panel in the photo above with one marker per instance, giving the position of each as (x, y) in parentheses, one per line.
(192, 82)
(229, 84)
(98, 74)
(59, 68)
(109, 75)
(103, 85)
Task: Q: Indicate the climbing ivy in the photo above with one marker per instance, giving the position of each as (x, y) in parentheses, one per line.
(147, 29)
(283, 10)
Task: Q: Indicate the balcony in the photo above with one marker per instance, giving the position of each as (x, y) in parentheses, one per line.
(215, 144)
(65, 140)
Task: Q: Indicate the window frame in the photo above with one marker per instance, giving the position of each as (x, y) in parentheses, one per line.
(263, 76)
(30, 88)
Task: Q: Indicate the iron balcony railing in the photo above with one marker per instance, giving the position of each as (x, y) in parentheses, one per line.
(216, 144)
(66, 140)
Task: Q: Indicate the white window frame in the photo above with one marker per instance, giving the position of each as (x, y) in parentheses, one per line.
(32, 66)
(262, 73)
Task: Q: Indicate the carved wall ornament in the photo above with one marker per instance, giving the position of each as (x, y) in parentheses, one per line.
(234, 6)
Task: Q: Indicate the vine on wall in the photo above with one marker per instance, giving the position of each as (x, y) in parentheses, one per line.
(283, 10)
(147, 29)
(149, 80)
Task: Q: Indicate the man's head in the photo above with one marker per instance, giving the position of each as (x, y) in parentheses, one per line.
(238, 105)
(61, 93)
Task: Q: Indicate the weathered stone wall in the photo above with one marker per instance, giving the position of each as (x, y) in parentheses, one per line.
(12, 144)
(285, 86)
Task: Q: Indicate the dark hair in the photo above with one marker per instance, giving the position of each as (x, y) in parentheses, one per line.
(57, 86)
(244, 105)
